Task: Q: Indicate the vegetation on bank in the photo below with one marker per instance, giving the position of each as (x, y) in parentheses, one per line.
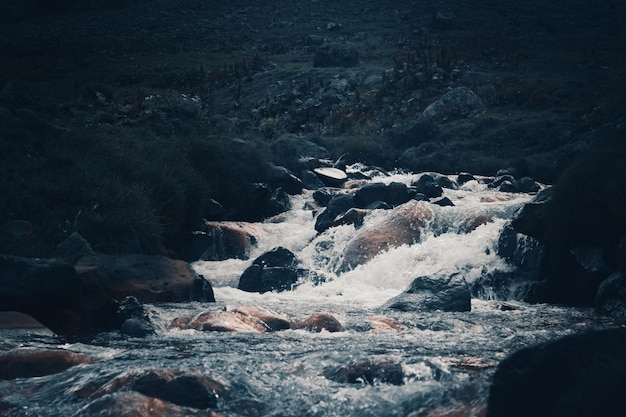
(125, 189)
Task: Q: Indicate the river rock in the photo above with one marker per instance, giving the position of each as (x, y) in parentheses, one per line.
(367, 372)
(457, 103)
(149, 278)
(222, 321)
(17, 320)
(403, 226)
(431, 293)
(368, 194)
(183, 388)
(28, 363)
(576, 375)
(337, 206)
(72, 249)
(217, 241)
(275, 270)
(611, 297)
(273, 320)
(134, 404)
(426, 185)
(317, 322)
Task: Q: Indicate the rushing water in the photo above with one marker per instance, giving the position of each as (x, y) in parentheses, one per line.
(447, 358)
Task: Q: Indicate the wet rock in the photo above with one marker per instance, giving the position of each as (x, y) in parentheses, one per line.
(430, 293)
(367, 372)
(426, 185)
(134, 319)
(398, 193)
(369, 193)
(135, 327)
(457, 103)
(217, 241)
(337, 206)
(353, 216)
(317, 322)
(149, 278)
(384, 324)
(443, 202)
(330, 176)
(133, 404)
(576, 375)
(611, 297)
(273, 320)
(464, 177)
(336, 55)
(402, 226)
(222, 321)
(29, 363)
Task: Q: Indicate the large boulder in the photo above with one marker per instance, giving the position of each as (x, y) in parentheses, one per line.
(221, 321)
(403, 226)
(317, 322)
(431, 293)
(579, 375)
(149, 278)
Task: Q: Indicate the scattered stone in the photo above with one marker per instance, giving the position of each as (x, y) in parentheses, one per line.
(443, 202)
(337, 206)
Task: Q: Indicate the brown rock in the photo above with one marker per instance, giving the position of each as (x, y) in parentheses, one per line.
(317, 322)
(222, 321)
(32, 363)
(133, 404)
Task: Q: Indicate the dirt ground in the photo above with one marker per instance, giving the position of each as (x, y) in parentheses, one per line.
(548, 71)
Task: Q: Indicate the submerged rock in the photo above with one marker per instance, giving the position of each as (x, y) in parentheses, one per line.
(134, 404)
(34, 363)
(367, 372)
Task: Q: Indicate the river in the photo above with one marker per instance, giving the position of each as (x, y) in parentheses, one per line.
(447, 358)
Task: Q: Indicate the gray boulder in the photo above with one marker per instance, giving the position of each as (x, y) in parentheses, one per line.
(430, 293)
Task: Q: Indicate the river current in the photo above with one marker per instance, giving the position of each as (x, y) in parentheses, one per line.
(447, 358)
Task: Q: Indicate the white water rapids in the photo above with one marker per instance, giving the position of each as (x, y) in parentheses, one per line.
(446, 358)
